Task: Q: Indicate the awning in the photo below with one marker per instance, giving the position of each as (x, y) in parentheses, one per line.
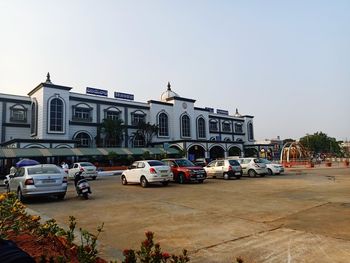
(48, 152)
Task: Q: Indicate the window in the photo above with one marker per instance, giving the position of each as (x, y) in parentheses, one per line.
(137, 118)
(213, 125)
(82, 112)
(139, 141)
(238, 128)
(226, 127)
(201, 128)
(56, 115)
(185, 126)
(163, 124)
(250, 131)
(33, 119)
(18, 113)
(112, 113)
(83, 139)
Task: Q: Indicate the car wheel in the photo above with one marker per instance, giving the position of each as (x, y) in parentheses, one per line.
(251, 173)
(124, 181)
(94, 178)
(181, 179)
(20, 196)
(226, 176)
(61, 196)
(86, 196)
(165, 183)
(270, 171)
(144, 182)
(200, 181)
(238, 177)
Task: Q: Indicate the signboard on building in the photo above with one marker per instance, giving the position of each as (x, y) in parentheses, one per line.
(223, 112)
(99, 92)
(124, 96)
(209, 109)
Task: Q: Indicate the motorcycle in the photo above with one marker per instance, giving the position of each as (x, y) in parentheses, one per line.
(81, 185)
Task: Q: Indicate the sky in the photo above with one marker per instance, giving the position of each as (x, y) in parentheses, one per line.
(287, 63)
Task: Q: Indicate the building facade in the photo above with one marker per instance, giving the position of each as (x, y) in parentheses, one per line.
(52, 116)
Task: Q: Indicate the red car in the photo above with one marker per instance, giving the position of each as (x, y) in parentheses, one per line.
(185, 171)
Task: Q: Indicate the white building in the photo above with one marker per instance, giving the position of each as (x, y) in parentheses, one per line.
(52, 116)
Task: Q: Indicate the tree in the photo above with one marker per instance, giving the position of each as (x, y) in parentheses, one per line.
(319, 143)
(146, 131)
(111, 131)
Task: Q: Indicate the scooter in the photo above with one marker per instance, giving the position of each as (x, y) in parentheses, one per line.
(81, 185)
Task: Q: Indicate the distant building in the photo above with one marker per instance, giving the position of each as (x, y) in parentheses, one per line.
(52, 116)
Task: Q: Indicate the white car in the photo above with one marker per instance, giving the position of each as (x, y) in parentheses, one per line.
(88, 169)
(38, 180)
(253, 166)
(145, 172)
(273, 168)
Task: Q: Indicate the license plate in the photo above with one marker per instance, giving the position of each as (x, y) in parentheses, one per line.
(85, 190)
(238, 173)
(47, 181)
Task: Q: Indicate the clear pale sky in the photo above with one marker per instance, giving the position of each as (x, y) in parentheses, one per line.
(285, 62)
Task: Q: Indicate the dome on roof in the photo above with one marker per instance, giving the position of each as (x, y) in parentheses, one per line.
(168, 93)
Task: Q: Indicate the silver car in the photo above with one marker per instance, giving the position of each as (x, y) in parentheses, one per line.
(38, 180)
(253, 166)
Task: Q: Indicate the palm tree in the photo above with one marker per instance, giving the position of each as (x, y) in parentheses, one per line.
(146, 131)
(112, 132)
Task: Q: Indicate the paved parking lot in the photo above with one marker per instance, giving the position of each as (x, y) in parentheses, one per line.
(302, 216)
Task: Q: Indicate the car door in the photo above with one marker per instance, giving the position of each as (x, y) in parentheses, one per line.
(140, 170)
(74, 170)
(130, 173)
(210, 169)
(219, 169)
(16, 179)
(244, 165)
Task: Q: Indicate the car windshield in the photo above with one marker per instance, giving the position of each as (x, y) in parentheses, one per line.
(44, 170)
(234, 162)
(258, 161)
(265, 161)
(86, 164)
(155, 163)
(184, 163)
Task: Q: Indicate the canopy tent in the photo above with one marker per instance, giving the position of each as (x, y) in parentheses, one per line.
(50, 152)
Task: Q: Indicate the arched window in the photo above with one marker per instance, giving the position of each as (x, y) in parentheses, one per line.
(201, 128)
(34, 118)
(185, 126)
(163, 124)
(139, 141)
(56, 111)
(83, 139)
(213, 125)
(250, 132)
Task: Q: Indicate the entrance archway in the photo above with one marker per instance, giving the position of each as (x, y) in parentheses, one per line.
(234, 151)
(217, 152)
(250, 152)
(195, 152)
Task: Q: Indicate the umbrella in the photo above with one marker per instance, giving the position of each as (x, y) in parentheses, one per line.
(26, 162)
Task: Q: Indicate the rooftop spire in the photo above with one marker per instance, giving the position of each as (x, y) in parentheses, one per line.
(169, 86)
(48, 80)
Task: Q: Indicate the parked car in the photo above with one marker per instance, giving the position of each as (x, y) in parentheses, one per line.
(88, 169)
(202, 162)
(253, 166)
(185, 171)
(224, 169)
(38, 180)
(145, 172)
(273, 168)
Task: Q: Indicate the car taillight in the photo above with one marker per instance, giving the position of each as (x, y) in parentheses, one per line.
(81, 169)
(65, 180)
(29, 181)
(230, 168)
(152, 170)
